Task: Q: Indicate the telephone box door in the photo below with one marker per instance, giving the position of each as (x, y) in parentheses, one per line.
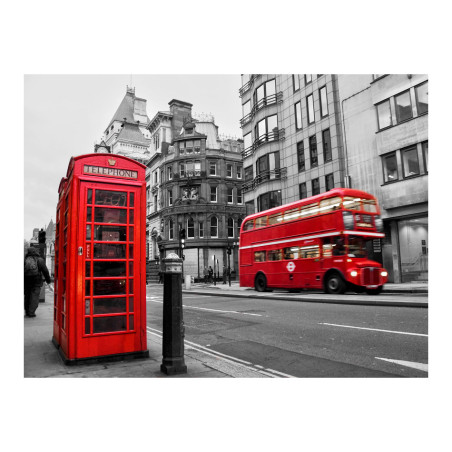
(110, 260)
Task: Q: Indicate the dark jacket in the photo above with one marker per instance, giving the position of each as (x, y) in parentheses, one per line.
(37, 280)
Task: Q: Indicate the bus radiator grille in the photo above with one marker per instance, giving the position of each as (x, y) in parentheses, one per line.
(370, 276)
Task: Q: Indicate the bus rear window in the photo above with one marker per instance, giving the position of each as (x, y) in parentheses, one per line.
(248, 225)
(327, 205)
(259, 256)
(369, 205)
(352, 203)
(261, 222)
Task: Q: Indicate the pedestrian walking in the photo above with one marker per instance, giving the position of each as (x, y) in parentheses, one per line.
(210, 274)
(160, 277)
(34, 269)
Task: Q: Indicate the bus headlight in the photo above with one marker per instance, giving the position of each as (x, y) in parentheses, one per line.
(354, 273)
(384, 273)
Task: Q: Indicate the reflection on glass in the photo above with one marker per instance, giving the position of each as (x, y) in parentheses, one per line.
(390, 168)
(109, 324)
(88, 232)
(111, 198)
(410, 162)
(109, 287)
(384, 114)
(90, 196)
(87, 287)
(132, 199)
(109, 268)
(109, 251)
(88, 214)
(87, 307)
(105, 215)
(109, 305)
(110, 233)
(403, 106)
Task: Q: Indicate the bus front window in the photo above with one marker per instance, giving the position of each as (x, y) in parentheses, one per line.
(356, 247)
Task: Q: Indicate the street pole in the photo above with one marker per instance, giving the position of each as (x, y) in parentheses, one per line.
(214, 274)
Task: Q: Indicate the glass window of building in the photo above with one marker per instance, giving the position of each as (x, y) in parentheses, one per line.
(323, 102)
(422, 98)
(390, 171)
(239, 172)
(239, 196)
(230, 195)
(214, 227)
(410, 162)
(155, 203)
(197, 168)
(189, 147)
(300, 156)
(313, 151)
(182, 169)
(246, 109)
(190, 228)
(310, 106)
(259, 96)
(425, 154)
(272, 126)
(239, 225)
(315, 186)
(269, 200)
(249, 173)
(329, 181)
(307, 78)
(266, 129)
(230, 228)
(298, 122)
(197, 146)
(213, 193)
(171, 230)
(212, 168)
(384, 115)
(403, 106)
(201, 229)
(247, 142)
(326, 141)
(170, 197)
(296, 82)
(170, 172)
(303, 190)
(228, 170)
(181, 147)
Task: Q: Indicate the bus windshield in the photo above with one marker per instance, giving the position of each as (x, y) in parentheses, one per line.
(356, 246)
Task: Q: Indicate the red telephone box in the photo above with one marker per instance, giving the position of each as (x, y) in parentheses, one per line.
(100, 259)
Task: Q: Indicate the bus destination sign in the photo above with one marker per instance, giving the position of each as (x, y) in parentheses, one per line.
(115, 172)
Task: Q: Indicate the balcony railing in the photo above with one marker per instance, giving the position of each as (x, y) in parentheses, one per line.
(248, 85)
(269, 100)
(277, 174)
(274, 135)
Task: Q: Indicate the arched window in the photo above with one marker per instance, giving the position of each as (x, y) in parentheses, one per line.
(214, 227)
(171, 230)
(230, 227)
(239, 225)
(190, 228)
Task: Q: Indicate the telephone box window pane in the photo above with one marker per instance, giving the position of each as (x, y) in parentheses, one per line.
(110, 233)
(130, 285)
(131, 219)
(109, 324)
(109, 305)
(131, 327)
(130, 234)
(109, 268)
(88, 232)
(111, 198)
(105, 215)
(130, 268)
(87, 287)
(109, 251)
(130, 304)
(90, 196)
(130, 251)
(132, 199)
(87, 326)
(87, 307)
(87, 269)
(109, 287)
(88, 214)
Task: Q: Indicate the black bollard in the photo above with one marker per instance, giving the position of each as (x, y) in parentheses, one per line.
(173, 324)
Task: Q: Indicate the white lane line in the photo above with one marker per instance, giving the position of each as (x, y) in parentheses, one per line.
(375, 329)
(212, 310)
(414, 365)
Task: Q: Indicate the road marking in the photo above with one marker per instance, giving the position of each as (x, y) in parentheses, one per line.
(375, 329)
(414, 365)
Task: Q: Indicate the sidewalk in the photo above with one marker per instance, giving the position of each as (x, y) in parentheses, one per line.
(42, 360)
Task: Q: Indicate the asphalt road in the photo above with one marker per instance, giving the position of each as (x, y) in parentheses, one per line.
(303, 339)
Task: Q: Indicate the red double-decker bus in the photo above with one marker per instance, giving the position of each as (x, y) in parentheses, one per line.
(319, 242)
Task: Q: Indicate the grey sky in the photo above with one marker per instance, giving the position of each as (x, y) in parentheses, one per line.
(66, 114)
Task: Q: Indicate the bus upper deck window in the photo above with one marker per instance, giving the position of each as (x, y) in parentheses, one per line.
(275, 219)
(261, 221)
(292, 214)
(329, 204)
(352, 203)
(248, 225)
(370, 205)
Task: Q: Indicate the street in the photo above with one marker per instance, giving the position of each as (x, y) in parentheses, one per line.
(288, 338)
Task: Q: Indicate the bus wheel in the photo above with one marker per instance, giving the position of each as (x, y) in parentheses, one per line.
(334, 284)
(260, 283)
(376, 291)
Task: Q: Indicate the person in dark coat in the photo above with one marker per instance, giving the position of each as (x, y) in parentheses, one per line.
(34, 269)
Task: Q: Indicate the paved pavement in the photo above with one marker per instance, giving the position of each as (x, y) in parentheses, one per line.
(41, 358)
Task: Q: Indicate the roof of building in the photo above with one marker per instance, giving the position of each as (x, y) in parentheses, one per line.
(131, 132)
(126, 108)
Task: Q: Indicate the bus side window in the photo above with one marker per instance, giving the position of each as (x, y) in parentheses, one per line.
(291, 253)
(261, 222)
(309, 251)
(274, 255)
(259, 256)
(327, 247)
(339, 246)
(248, 225)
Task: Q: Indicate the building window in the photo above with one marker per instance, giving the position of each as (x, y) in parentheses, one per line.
(265, 94)
(310, 104)
(329, 182)
(239, 172)
(197, 168)
(267, 129)
(298, 122)
(230, 228)
(239, 196)
(170, 197)
(303, 190)
(214, 227)
(313, 151)
(181, 147)
(201, 229)
(182, 169)
(410, 162)
(269, 200)
(189, 147)
(384, 115)
(239, 226)
(190, 228)
(246, 109)
(156, 177)
(296, 82)
(249, 173)
(228, 170)
(390, 172)
(315, 186)
(197, 146)
(307, 78)
(403, 106)
(422, 98)
(212, 169)
(267, 166)
(155, 203)
(247, 143)
(213, 193)
(171, 230)
(323, 102)
(230, 195)
(326, 140)
(300, 156)
(170, 172)
(425, 153)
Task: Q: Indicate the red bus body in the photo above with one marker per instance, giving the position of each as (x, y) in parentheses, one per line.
(318, 242)
(100, 288)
